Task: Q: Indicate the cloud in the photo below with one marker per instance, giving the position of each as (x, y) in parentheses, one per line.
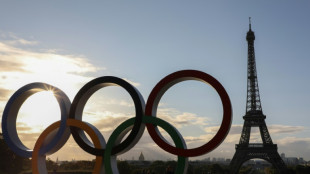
(108, 123)
(132, 82)
(18, 41)
(119, 102)
(294, 146)
(291, 140)
(273, 129)
(234, 129)
(28, 139)
(281, 129)
(4, 94)
(13, 39)
(235, 132)
(181, 119)
(20, 67)
(23, 128)
(10, 66)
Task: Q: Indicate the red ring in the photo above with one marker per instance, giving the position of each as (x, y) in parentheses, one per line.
(172, 79)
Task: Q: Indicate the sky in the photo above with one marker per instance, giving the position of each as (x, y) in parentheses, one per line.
(68, 43)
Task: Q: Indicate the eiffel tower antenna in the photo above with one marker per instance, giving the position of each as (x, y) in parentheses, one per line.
(250, 23)
(254, 117)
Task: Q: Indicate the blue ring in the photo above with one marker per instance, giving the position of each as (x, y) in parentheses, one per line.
(10, 115)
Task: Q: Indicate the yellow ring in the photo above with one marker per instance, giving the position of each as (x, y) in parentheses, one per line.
(38, 161)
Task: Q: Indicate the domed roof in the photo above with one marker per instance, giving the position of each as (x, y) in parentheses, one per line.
(141, 157)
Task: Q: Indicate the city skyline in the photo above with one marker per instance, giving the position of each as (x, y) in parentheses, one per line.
(67, 45)
(222, 160)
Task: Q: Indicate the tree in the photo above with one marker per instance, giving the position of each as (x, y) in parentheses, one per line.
(123, 167)
(158, 167)
(10, 162)
(302, 169)
(215, 168)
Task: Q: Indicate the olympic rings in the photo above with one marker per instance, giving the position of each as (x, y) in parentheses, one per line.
(56, 135)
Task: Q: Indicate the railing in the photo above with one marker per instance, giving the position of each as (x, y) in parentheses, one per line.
(256, 145)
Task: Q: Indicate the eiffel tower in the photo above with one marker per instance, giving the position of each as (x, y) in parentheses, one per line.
(254, 117)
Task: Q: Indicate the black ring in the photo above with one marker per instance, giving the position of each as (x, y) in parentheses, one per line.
(80, 100)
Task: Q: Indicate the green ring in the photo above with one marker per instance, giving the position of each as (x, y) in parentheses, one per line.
(182, 161)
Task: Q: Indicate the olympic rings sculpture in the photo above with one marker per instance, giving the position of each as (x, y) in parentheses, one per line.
(55, 136)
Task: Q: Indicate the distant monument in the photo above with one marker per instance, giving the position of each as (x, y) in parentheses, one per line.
(254, 117)
(141, 157)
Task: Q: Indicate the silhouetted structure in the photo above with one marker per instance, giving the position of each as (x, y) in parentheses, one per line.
(254, 117)
(141, 157)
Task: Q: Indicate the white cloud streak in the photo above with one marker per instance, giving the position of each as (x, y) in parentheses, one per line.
(136, 84)
(20, 67)
(181, 119)
(12, 39)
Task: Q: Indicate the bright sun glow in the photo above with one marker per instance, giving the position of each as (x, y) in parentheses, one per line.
(38, 112)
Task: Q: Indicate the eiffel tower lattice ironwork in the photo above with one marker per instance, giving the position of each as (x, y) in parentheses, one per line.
(254, 117)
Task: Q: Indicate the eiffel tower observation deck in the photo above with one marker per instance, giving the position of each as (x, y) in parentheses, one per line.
(254, 117)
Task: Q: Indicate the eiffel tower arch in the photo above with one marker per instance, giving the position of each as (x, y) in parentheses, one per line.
(254, 117)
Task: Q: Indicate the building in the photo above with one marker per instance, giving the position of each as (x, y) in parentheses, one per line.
(283, 155)
(141, 157)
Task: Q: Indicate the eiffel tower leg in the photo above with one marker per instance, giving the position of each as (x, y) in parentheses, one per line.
(277, 162)
(265, 134)
(236, 162)
(245, 134)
